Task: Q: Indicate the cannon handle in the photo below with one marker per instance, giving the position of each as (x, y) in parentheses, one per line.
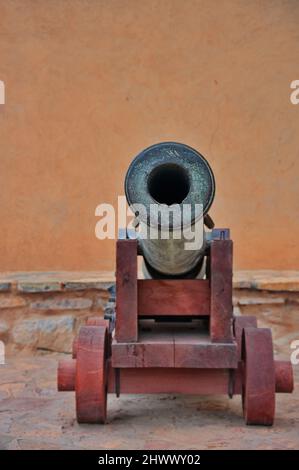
(208, 221)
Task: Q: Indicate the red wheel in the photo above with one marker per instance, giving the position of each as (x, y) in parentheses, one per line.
(241, 322)
(91, 321)
(258, 388)
(91, 375)
(99, 321)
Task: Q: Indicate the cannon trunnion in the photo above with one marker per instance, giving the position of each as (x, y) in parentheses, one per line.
(175, 331)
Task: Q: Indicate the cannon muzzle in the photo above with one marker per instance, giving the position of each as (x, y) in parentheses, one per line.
(170, 188)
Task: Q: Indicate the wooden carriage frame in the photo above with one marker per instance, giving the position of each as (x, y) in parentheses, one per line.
(144, 350)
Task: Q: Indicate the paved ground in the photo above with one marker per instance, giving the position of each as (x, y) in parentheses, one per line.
(33, 415)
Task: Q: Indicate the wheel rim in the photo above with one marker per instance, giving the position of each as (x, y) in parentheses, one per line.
(241, 322)
(91, 375)
(258, 385)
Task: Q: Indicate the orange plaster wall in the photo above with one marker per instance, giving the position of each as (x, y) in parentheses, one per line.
(89, 83)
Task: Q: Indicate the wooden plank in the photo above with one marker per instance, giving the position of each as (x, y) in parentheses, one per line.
(167, 380)
(221, 291)
(143, 354)
(206, 356)
(195, 349)
(170, 353)
(126, 291)
(173, 297)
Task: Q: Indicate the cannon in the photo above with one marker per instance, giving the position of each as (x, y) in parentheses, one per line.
(173, 329)
(160, 183)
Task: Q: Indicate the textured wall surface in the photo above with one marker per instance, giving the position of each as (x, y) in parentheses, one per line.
(43, 311)
(89, 83)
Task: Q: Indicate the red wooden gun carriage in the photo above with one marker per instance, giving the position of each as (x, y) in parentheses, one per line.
(174, 332)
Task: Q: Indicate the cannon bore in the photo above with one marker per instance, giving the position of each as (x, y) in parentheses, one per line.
(170, 188)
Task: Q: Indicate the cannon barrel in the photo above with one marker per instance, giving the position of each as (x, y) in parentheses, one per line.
(170, 186)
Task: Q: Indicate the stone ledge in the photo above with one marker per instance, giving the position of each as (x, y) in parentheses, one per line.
(277, 281)
(43, 310)
(56, 281)
(59, 281)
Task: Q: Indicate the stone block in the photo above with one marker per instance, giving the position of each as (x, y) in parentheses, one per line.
(35, 287)
(4, 328)
(82, 285)
(12, 302)
(76, 303)
(5, 286)
(53, 333)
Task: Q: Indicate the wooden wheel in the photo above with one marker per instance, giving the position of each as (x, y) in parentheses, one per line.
(241, 322)
(91, 375)
(98, 321)
(91, 321)
(258, 387)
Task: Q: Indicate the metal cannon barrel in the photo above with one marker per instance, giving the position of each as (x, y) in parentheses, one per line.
(170, 188)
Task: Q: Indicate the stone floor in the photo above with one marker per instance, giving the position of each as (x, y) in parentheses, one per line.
(33, 415)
